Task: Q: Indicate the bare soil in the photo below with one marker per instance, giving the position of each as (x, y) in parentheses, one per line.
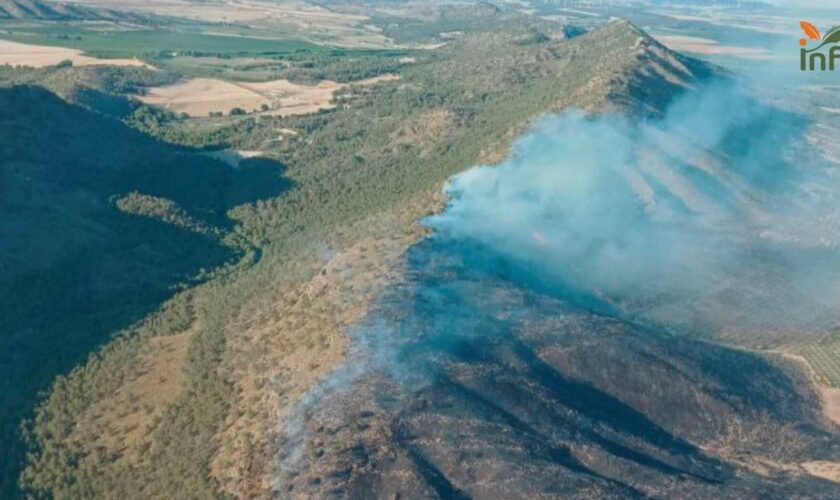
(203, 96)
(707, 46)
(39, 56)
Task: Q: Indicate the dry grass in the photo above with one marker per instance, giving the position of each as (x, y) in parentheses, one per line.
(121, 423)
(38, 56)
(277, 357)
(706, 46)
(825, 470)
(203, 96)
(831, 403)
(829, 396)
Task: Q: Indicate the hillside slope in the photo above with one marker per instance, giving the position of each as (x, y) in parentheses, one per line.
(466, 382)
(363, 174)
(100, 225)
(52, 11)
(259, 339)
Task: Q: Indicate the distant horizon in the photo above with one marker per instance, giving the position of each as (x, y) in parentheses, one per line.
(823, 4)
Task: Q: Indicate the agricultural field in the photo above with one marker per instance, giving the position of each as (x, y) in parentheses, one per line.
(117, 41)
(39, 56)
(193, 50)
(824, 358)
(232, 68)
(264, 18)
(209, 97)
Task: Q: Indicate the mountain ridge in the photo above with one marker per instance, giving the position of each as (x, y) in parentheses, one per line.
(352, 212)
(44, 10)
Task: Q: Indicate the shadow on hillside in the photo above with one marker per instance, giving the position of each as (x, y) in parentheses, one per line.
(473, 376)
(74, 270)
(257, 179)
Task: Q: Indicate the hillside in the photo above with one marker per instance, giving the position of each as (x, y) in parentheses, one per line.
(254, 340)
(434, 23)
(52, 11)
(348, 172)
(100, 225)
(475, 386)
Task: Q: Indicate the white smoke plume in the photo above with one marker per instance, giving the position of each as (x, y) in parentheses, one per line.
(715, 218)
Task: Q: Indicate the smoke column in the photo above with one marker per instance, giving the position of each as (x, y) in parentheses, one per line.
(716, 219)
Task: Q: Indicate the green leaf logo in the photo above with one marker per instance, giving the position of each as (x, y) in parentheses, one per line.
(833, 36)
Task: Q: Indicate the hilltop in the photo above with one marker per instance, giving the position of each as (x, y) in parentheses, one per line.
(54, 11)
(38, 9)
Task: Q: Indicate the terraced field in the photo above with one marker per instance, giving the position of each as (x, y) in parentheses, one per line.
(824, 358)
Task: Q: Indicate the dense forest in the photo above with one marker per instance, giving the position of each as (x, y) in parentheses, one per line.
(78, 262)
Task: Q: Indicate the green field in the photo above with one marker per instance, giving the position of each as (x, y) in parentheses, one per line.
(119, 42)
(187, 51)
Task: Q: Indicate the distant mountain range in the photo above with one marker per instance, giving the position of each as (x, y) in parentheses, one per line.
(53, 11)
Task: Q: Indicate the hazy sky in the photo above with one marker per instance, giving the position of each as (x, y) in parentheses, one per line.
(809, 3)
